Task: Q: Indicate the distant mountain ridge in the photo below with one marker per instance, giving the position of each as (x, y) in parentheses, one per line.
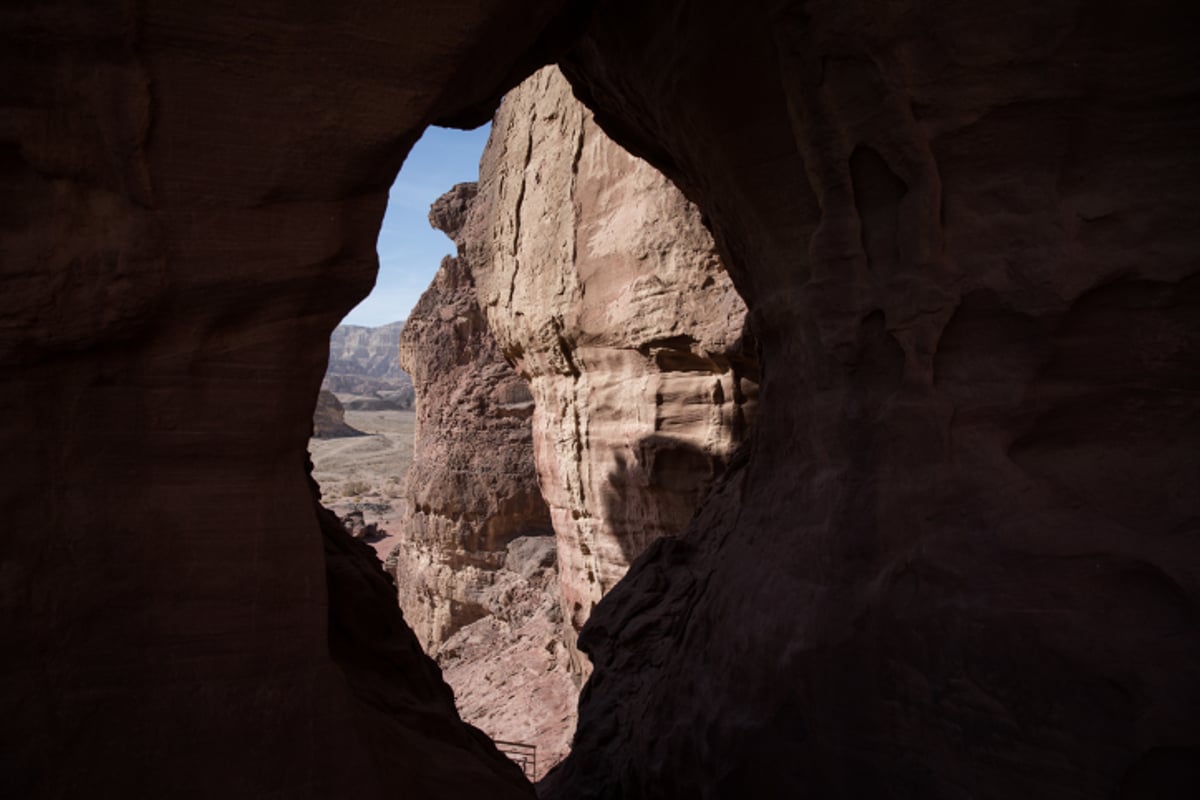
(369, 352)
(365, 361)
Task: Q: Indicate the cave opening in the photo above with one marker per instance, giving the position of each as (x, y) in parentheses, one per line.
(415, 377)
(582, 371)
(960, 564)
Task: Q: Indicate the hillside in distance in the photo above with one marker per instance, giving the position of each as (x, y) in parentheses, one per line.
(364, 368)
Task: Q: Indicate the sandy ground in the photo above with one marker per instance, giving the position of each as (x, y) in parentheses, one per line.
(364, 472)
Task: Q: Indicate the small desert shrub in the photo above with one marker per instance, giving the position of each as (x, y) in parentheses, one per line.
(355, 488)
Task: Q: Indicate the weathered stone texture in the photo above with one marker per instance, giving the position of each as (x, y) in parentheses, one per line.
(475, 564)
(472, 487)
(510, 670)
(958, 557)
(605, 290)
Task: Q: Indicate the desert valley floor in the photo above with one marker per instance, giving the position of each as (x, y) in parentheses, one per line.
(363, 473)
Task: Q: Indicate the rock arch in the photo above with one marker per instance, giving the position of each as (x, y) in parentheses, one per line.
(958, 557)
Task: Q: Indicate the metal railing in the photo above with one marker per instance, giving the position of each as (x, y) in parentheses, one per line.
(523, 754)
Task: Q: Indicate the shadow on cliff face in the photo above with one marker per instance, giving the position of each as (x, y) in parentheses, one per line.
(656, 492)
(657, 484)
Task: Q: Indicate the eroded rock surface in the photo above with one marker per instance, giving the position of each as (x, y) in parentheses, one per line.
(476, 561)
(472, 487)
(510, 670)
(605, 290)
(958, 560)
(329, 418)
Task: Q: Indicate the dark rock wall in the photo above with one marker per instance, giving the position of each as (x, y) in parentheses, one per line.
(961, 558)
(191, 197)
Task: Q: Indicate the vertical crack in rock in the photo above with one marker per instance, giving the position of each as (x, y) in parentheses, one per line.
(877, 195)
(516, 217)
(622, 315)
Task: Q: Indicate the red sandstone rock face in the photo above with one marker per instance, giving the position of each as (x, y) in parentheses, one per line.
(472, 507)
(961, 558)
(510, 670)
(604, 288)
(472, 487)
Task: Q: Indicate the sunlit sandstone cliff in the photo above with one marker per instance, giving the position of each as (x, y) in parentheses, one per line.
(605, 290)
(627, 443)
(473, 515)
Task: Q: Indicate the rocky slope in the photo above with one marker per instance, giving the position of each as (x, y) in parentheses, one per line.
(605, 290)
(510, 670)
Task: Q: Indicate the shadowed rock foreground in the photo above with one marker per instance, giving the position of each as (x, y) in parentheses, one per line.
(956, 557)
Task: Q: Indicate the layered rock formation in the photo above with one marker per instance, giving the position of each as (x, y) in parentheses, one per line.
(365, 362)
(372, 352)
(329, 418)
(605, 290)
(472, 487)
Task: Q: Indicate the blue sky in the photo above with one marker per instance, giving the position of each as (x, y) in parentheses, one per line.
(409, 249)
